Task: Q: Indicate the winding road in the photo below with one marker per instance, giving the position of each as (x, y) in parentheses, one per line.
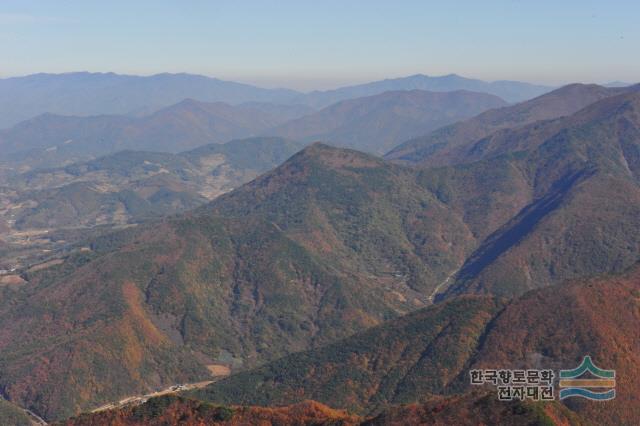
(442, 284)
(140, 399)
(34, 417)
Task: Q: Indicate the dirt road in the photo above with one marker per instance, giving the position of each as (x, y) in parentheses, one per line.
(141, 399)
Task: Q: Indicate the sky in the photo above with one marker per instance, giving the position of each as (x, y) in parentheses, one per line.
(321, 44)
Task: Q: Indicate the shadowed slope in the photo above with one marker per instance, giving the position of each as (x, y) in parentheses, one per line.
(584, 205)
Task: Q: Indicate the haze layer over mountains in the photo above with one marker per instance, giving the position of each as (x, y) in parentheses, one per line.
(85, 93)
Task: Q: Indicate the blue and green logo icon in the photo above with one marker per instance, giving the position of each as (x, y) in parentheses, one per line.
(599, 388)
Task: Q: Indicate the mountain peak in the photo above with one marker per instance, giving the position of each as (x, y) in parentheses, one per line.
(576, 87)
(574, 90)
(191, 104)
(337, 157)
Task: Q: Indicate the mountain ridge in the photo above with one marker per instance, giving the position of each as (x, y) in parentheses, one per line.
(510, 91)
(438, 147)
(85, 93)
(51, 140)
(378, 122)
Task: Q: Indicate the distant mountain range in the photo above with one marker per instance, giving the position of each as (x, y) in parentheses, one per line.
(378, 123)
(374, 124)
(617, 84)
(511, 91)
(52, 140)
(90, 94)
(84, 93)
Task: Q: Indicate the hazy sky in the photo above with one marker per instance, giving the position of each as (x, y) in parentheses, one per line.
(317, 44)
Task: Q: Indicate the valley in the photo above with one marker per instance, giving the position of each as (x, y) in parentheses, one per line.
(49, 210)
